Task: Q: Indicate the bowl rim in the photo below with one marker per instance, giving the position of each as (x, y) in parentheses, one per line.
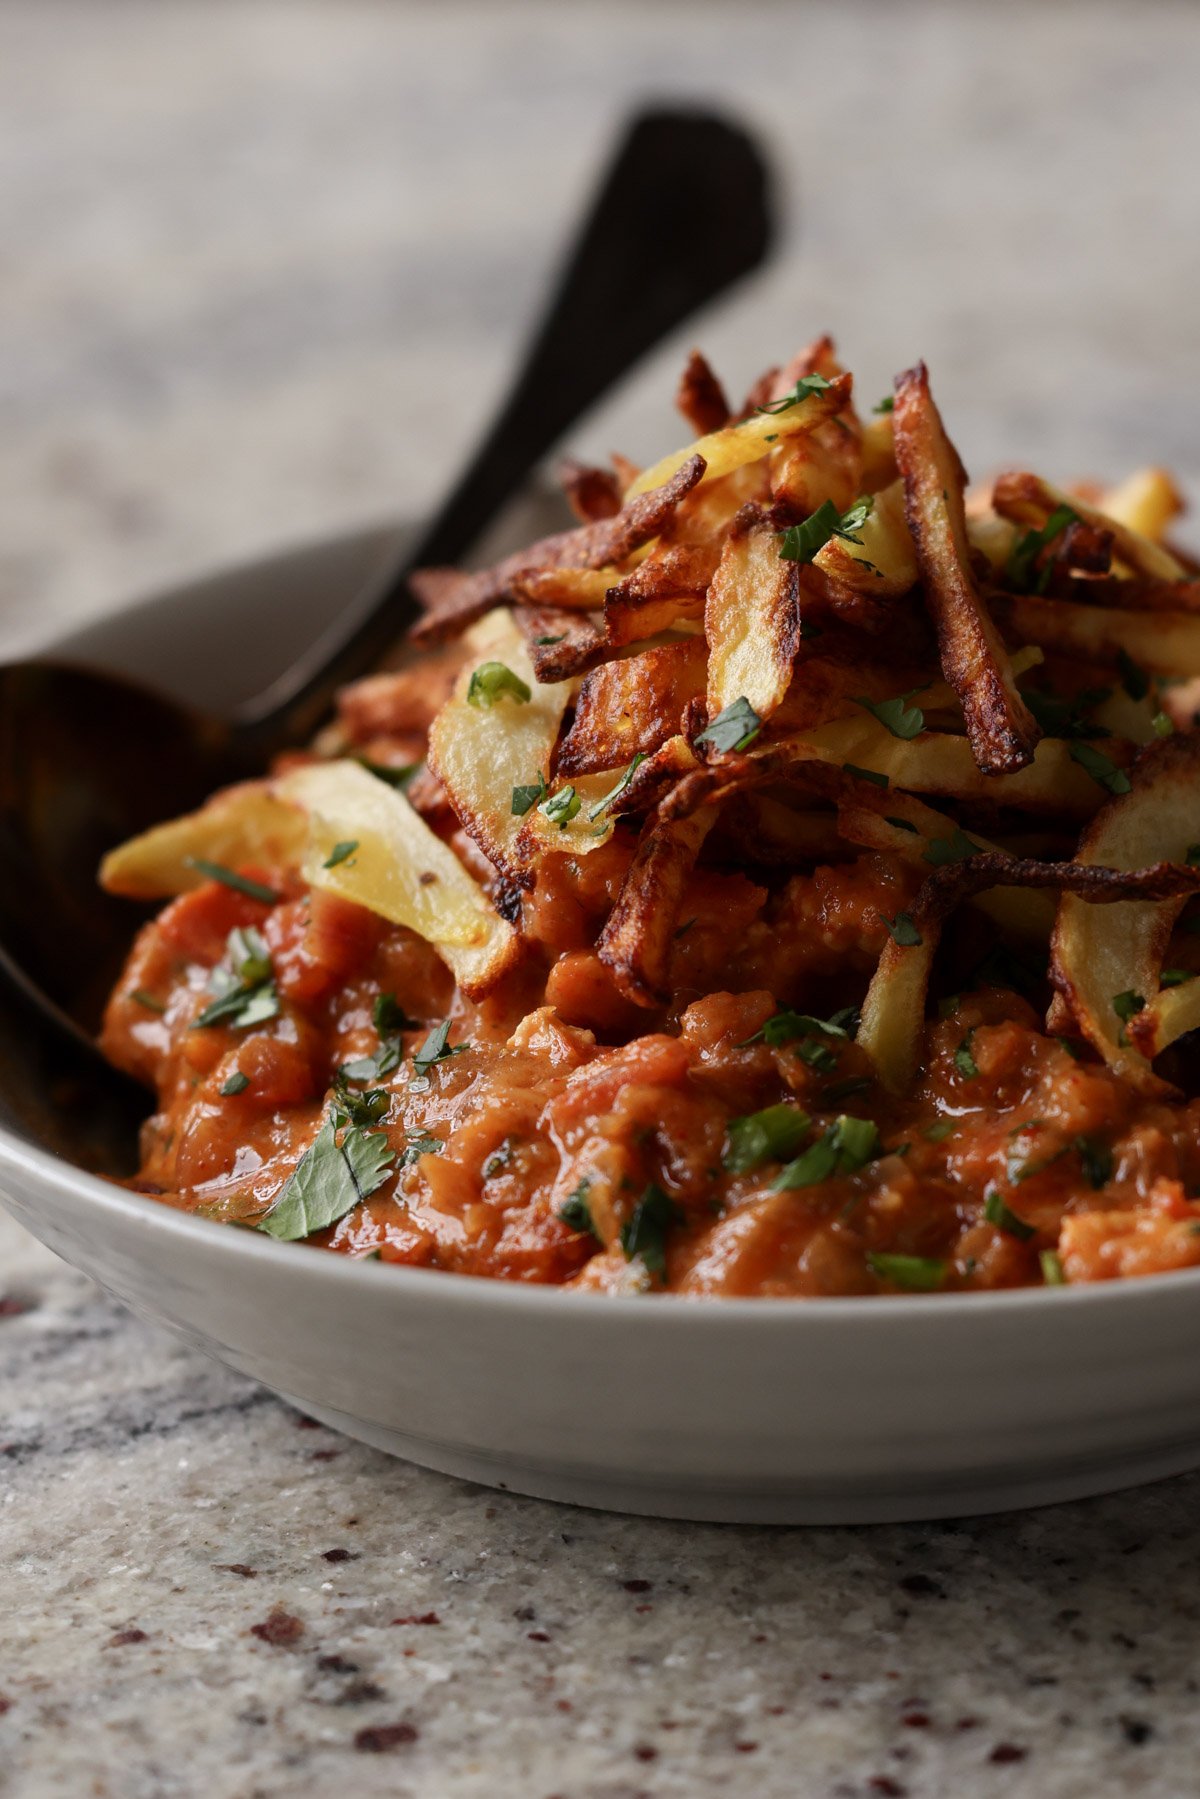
(43, 1167)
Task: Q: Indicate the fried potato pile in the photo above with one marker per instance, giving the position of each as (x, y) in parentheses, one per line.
(793, 640)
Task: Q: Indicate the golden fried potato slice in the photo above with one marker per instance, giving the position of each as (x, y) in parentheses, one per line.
(752, 623)
(1028, 500)
(1168, 643)
(884, 563)
(1000, 726)
(632, 704)
(733, 446)
(1145, 503)
(1106, 965)
(484, 754)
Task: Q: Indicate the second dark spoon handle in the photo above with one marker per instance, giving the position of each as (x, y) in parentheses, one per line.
(684, 210)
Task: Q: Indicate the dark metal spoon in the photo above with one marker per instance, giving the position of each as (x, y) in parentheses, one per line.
(87, 759)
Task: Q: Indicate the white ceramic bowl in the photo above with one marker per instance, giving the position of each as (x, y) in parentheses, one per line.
(820, 1411)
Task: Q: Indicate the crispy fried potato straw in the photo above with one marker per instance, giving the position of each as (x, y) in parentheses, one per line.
(1028, 500)
(1094, 959)
(893, 1014)
(1000, 726)
(636, 942)
(700, 396)
(608, 540)
(735, 445)
(631, 705)
(1166, 642)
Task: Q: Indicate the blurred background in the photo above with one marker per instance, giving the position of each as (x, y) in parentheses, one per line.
(266, 262)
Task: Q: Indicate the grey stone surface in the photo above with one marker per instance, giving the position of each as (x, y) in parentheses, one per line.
(263, 269)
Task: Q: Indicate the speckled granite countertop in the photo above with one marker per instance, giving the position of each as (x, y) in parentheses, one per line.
(263, 264)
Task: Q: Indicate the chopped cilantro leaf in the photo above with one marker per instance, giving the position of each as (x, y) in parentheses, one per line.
(1060, 717)
(887, 404)
(964, 1061)
(237, 1082)
(1162, 725)
(398, 775)
(142, 998)
(545, 641)
(242, 985)
(420, 1143)
(330, 1179)
(902, 824)
(786, 1027)
(1096, 1159)
(901, 929)
(389, 1016)
(940, 1129)
(229, 877)
(1134, 680)
(644, 1232)
(1175, 977)
(1052, 1269)
(800, 543)
(865, 774)
(955, 848)
(340, 852)
(1005, 1219)
(561, 807)
(611, 798)
(576, 1213)
(1022, 558)
(436, 1048)
(915, 1274)
(524, 798)
(771, 1135)
(807, 384)
(1128, 1004)
(734, 728)
(493, 681)
(1101, 769)
(902, 721)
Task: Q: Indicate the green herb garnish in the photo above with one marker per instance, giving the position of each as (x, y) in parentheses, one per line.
(887, 404)
(1101, 769)
(330, 1179)
(1127, 1005)
(420, 1143)
(846, 1146)
(576, 1213)
(236, 1083)
(1134, 680)
(644, 1233)
(1175, 977)
(561, 807)
(614, 795)
(771, 1135)
(865, 774)
(340, 852)
(800, 543)
(964, 1061)
(1052, 1269)
(229, 877)
(494, 681)
(399, 775)
(1162, 725)
(915, 1274)
(436, 1048)
(142, 998)
(734, 728)
(902, 721)
(807, 384)
(1022, 558)
(1096, 1159)
(955, 848)
(901, 929)
(902, 824)
(1002, 1216)
(243, 985)
(940, 1129)
(523, 798)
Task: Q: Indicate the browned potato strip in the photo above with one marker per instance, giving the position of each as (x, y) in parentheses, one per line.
(1098, 960)
(591, 546)
(700, 397)
(1166, 642)
(893, 1015)
(574, 589)
(752, 623)
(1028, 500)
(1145, 502)
(974, 660)
(885, 563)
(592, 493)
(632, 705)
(735, 445)
(636, 942)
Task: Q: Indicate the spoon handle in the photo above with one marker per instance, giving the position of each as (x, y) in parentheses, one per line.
(684, 210)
